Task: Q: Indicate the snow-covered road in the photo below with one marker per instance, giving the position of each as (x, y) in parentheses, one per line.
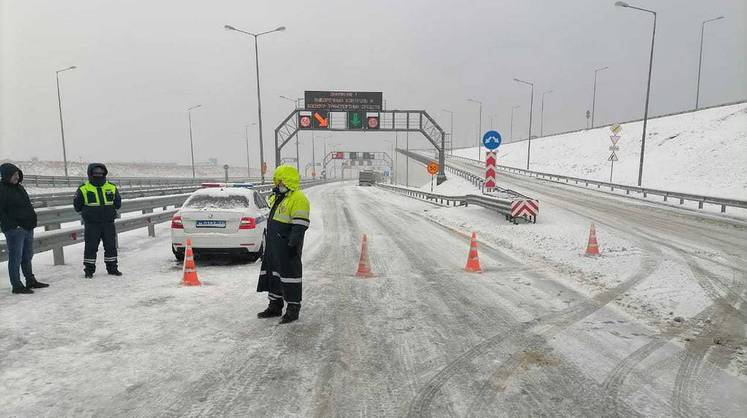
(529, 336)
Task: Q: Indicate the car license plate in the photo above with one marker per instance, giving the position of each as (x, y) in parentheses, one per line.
(210, 224)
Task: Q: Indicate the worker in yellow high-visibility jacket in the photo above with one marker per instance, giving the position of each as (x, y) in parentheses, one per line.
(281, 270)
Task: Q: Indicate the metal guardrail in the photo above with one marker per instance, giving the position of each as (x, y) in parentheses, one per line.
(666, 194)
(64, 199)
(72, 181)
(502, 206)
(54, 238)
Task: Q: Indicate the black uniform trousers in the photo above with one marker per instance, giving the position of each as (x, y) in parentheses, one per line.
(96, 232)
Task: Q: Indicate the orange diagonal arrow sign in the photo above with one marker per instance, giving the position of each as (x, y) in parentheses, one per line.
(322, 121)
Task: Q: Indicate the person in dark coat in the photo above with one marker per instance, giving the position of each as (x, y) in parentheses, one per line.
(98, 200)
(18, 220)
(281, 271)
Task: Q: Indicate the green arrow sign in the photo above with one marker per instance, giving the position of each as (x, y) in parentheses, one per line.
(355, 120)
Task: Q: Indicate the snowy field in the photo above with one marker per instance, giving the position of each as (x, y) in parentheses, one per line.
(654, 327)
(124, 169)
(703, 152)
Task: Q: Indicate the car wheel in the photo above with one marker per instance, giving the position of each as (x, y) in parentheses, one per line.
(178, 254)
(253, 257)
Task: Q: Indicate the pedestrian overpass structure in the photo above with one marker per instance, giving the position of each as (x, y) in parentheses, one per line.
(364, 121)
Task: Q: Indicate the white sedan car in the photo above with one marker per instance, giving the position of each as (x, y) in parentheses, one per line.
(221, 219)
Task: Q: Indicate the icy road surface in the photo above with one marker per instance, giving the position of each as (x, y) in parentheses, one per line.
(532, 335)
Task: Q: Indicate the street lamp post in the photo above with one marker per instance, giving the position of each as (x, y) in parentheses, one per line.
(531, 108)
(542, 112)
(594, 95)
(451, 130)
(700, 60)
(511, 131)
(479, 127)
(259, 101)
(248, 172)
(298, 157)
(648, 85)
(62, 125)
(191, 142)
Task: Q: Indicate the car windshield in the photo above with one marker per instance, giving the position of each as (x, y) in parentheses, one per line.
(217, 202)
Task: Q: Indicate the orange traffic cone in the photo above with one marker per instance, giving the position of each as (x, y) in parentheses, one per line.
(364, 268)
(190, 271)
(473, 261)
(593, 247)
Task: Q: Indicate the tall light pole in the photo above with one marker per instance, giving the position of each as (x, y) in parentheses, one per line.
(191, 143)
(479, 128)
(594, 95)
(451, 129)
(648, 85)
(248, 172)
(62, 125)
(531, 108)
(511, 132)
(700, 60)
(259, 101)
(542, 112)
(298, 156)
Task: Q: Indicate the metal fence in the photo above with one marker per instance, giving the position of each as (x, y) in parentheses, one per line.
(55, 238)
(701, 199)
(500, 205)
(62, 181)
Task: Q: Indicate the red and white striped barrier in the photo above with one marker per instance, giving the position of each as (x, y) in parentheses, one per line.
(490, 160)
(525, 208)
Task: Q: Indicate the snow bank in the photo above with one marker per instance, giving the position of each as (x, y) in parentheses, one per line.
(703, 152)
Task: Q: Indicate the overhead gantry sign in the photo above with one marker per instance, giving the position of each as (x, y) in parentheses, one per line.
(357, 112)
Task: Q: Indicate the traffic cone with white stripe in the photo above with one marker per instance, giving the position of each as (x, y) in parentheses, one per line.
(473, 261)
(592, 248)
(364, 268)
(189, 277)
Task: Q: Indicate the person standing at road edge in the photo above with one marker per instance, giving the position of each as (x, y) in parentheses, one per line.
(17, 221)
(98, 200)
(281, 271)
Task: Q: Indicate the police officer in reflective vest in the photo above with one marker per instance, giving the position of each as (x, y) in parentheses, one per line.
(98, 201)
(281, 271)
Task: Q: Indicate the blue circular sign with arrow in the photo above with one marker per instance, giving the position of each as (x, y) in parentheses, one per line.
(491, 140)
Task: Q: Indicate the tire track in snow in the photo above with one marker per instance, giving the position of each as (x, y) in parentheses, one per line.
(557, 322)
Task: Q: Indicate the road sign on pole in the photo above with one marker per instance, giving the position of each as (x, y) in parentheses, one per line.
(490, 160)
(613, 157)
(491, 140)
(616, 128)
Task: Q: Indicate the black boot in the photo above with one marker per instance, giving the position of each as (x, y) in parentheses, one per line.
(113, 270)
(32, 283)
(275, 308)
(22, 290)
(291, 313)
(88, 273)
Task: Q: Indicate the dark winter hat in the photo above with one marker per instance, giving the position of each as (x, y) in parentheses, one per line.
(7, 170)
(96, 165)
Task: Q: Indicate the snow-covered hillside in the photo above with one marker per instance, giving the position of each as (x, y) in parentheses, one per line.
(703, 152)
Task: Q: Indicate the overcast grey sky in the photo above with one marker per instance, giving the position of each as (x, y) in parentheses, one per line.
(141, 64)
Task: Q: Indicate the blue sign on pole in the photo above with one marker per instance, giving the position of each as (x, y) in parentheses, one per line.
(491, 140)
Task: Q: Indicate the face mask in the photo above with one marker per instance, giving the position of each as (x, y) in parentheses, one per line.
(280, 189)
(98, 179)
